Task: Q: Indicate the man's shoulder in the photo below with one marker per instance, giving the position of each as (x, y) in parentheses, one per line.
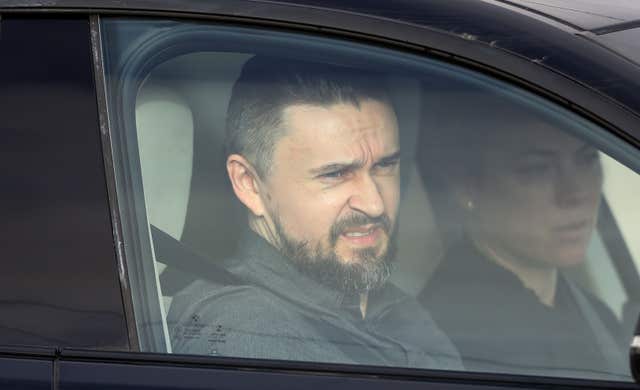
(243, 321)
(238, 302)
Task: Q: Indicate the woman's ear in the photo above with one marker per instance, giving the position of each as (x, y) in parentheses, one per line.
(245, 183)
(464, 195)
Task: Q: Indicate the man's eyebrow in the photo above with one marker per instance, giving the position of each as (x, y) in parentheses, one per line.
(389, 158)
(350, 165)
(337, 166)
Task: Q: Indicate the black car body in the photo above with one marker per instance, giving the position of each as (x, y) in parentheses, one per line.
(70, 292)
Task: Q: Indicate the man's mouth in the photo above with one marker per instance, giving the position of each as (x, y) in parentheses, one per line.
(362, 235)
(358, 234)
(359, 230)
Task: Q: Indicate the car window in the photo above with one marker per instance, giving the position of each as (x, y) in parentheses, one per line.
(59, 283)
(291, 197)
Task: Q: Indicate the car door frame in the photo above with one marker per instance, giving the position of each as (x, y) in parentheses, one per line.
(444, 46)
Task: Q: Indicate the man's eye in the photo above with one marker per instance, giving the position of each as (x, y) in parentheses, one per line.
(387, 165)
(334, 174)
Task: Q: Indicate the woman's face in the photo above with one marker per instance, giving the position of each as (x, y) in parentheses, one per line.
(537, 196)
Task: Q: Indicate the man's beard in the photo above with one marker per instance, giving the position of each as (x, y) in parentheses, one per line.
(366, 271)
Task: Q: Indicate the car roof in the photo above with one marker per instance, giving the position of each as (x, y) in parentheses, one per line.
(583, 14)
(481, 18)
(493, 34)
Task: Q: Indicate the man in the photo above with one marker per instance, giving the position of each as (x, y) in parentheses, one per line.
(313, 155)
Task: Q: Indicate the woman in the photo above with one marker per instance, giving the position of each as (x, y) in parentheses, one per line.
(526, 195)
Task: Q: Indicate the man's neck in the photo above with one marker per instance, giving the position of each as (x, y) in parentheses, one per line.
(542, 280)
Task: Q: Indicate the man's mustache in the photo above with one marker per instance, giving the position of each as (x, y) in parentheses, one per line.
(357, 220)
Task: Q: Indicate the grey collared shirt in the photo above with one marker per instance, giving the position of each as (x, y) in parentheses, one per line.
(276, 312)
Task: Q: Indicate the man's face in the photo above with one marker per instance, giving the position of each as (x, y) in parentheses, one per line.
(333, 190)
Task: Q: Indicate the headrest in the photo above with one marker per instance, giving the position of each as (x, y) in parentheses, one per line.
(165, 140)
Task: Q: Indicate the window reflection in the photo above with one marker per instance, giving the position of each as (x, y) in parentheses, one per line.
(282, 245)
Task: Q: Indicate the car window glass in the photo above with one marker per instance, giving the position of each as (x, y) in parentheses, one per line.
(300, 198)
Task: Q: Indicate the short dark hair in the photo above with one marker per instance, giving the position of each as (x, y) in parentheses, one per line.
(268, 85)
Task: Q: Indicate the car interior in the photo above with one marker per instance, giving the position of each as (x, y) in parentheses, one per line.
(180, 134)
(180, 114)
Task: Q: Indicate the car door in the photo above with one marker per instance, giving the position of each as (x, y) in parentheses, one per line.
(60, 282)
(162, 89)
(168, 83)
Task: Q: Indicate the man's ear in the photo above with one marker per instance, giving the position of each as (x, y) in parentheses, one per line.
(244, 181)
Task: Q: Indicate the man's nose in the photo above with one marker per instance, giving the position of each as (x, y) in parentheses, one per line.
(367, 198)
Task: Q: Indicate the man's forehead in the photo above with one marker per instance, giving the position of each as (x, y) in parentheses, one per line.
(342, 131)
(344, 120)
